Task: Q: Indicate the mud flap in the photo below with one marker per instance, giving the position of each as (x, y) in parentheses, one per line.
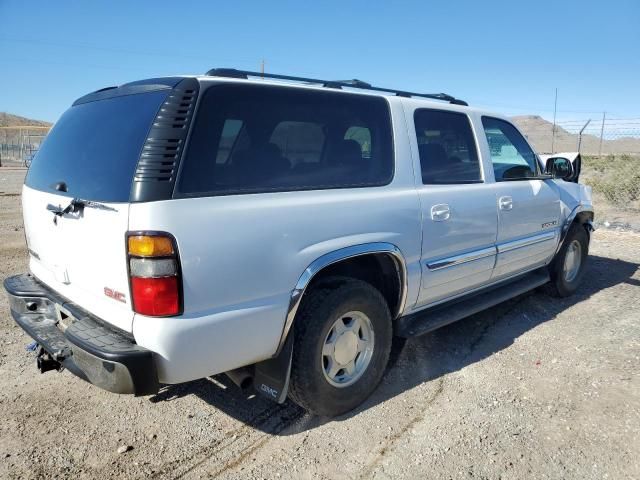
(271, 377)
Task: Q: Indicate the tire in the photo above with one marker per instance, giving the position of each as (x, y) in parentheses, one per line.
(314, 385)
(564, 279)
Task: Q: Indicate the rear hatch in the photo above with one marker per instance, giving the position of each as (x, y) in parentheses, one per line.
(76, 199)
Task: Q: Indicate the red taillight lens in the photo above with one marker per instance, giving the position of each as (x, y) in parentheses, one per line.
(155, 296)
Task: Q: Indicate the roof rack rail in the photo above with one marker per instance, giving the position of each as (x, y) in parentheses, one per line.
(355, 83)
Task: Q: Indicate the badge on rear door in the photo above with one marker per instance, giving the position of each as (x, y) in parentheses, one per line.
(119, 296)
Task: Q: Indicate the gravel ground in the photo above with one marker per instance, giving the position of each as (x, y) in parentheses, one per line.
(537, 387)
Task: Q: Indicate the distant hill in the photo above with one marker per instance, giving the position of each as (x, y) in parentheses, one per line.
(539, 133)
(9, 120)
(14, 137)
(16, 144)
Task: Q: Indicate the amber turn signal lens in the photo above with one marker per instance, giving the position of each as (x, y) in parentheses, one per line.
(150, 246)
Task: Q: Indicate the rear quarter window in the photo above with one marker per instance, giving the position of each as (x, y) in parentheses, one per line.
(254, 138)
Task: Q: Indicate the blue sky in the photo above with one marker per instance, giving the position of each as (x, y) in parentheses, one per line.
(507, 56)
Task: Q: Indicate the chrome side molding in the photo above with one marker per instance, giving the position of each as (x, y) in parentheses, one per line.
(336, 256)
(525, 242)
(489, 251)
(463, 258)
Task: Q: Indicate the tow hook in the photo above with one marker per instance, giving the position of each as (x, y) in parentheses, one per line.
(46, 363)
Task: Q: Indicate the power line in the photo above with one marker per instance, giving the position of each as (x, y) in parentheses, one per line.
(109, 49)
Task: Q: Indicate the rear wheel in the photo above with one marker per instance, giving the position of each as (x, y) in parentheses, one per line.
(567, 268)
(343, 337)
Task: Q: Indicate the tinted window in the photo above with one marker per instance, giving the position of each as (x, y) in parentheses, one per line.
(286, 139)
(447, 148)
(230, 132)
(511, 156)
(362, 135)
(300, 142)
(94, 148)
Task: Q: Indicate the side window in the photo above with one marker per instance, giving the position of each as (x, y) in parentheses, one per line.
(447, 149)
(511, 156)
(255, 138)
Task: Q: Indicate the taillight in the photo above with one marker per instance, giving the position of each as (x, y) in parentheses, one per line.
(154, 274)
(155, 296)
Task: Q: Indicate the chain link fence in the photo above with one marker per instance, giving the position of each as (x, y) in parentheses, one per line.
(610, 150)
(19, 144)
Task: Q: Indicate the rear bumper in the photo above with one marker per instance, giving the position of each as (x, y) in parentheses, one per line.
(86, 346)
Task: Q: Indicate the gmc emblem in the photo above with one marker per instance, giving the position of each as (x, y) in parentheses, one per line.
(119, 296)
(272, 392)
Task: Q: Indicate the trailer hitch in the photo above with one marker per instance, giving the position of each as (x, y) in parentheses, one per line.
(46, 363)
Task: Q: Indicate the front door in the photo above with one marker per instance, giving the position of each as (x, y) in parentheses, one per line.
(458, 209)
(528, 204)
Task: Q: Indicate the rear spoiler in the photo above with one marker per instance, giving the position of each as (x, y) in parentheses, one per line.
(142, 86)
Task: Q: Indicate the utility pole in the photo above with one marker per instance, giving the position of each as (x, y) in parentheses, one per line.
(604, 114)
(553, 130)
(21, 156)
(262, 69)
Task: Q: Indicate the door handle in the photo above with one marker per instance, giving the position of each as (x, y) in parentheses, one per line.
(440, 212)
(505, 203)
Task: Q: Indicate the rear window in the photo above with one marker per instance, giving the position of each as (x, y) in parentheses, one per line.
(254, 138)
(94, 148)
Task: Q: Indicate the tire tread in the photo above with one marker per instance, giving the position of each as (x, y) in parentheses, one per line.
(557, 287)
(304, 385)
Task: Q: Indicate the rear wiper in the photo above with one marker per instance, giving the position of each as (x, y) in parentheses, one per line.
(80, 203)
(77, 205)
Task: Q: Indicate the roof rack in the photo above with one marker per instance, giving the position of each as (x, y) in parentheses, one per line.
(355, 83)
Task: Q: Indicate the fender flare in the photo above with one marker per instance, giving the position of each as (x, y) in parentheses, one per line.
(337, 256)
(584, 213)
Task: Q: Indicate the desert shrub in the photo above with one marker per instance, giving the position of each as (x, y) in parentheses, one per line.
(617, 178)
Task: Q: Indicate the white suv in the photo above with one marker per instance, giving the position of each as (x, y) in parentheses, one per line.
(281, 230)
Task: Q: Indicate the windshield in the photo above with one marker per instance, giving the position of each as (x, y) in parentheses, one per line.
(94, 148)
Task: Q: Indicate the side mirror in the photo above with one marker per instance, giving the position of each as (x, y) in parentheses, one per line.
(559, 167)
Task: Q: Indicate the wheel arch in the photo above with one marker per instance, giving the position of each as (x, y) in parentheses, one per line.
(334, 259)
(582, 214)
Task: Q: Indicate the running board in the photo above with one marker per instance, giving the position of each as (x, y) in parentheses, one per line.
(433, 318)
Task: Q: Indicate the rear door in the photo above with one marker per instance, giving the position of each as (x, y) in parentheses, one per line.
(528, 204)
(81, 255)
(458, 208)
(91, 156)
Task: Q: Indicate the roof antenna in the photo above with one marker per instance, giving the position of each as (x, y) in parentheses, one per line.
(262, 69)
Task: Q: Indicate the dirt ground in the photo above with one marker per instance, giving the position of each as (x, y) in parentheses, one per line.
(537, 387)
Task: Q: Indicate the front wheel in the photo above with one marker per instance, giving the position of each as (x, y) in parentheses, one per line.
(342, 341)
(568, 267)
